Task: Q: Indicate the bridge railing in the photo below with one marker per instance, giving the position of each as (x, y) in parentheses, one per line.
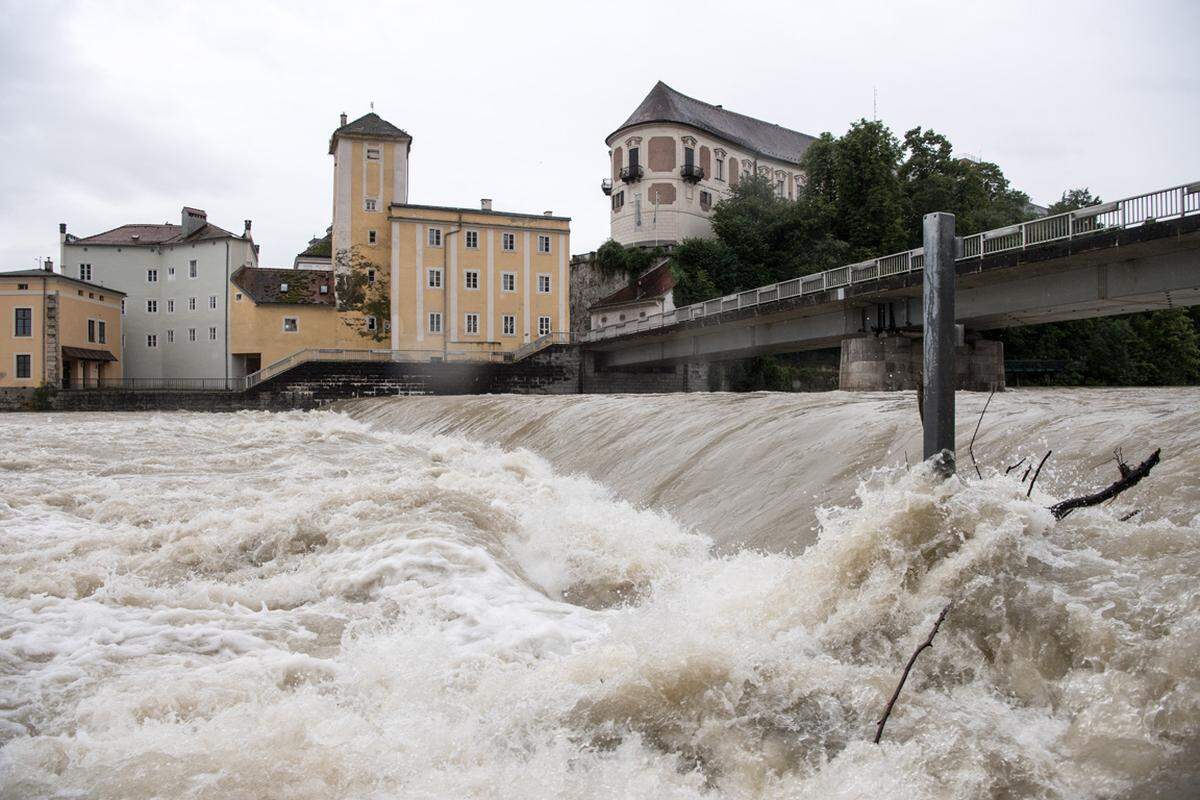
(1176, 201)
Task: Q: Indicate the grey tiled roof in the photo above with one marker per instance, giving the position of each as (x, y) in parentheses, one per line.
(371, 125)
(664, 104)
(153, 235)
(41, 273)
(265, 285)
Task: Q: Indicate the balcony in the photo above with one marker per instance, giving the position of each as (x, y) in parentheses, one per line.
(606, 186)
(632, 174)
(692, 173)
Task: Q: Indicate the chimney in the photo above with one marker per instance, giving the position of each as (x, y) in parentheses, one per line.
(485, 204)
(246, 233)
(343, 119)
(48, 264)
(193, 219)
(62, 232)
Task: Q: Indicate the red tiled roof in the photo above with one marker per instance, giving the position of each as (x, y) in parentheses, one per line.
(655, 283)
(265, 285)
(153, 235)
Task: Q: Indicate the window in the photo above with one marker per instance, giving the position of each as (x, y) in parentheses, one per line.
(151, 340)
(435, 237)
(371, 237)
(191, 304)
(705, 200)
(122, 306)
(237, 298)
(435, 279)
(21, 287)
(543, 326)
(91, 330)
(85, 272)
(101, 329)
(508, 281)
(170, 306)
(618, 201)
(170, 335)
(24, 365)
(509, 325)
(369, 205)
(191, 334)
(151, 276)
(170, 273)
(212, 301)
(471, 279)
(193, 270)
(372, 323)
(543, 244)
(371, 276)
(779, 190)
(508, 242)
(720, 169)
(23, 318)
(472, 240)
(151, 306)
(372, 154)
(543, 283)
(634, 158)
(435, 322)
(212, 334)
(472, 324)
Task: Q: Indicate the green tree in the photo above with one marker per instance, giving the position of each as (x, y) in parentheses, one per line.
(1073, 199)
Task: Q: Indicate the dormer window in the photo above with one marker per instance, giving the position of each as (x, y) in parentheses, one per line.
(324, 289)
(283, 287)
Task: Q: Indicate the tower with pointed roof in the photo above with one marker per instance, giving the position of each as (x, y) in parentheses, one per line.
(676, 157)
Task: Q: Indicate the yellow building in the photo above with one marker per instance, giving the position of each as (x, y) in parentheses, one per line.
(429, 278)
(274, 313)
(58, 330)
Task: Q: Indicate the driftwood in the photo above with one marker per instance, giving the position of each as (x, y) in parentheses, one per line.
(887, 712)
(1014, 466)
(1029, 491)
(1129, 477)
(1131, 515)
(971, 446)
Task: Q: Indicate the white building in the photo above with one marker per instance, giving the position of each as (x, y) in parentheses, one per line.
(175, 277)
(677, 157)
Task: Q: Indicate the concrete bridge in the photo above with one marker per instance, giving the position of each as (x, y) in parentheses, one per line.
(1137, 254)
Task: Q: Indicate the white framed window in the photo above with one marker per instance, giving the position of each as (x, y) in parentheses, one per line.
(151, 276)
(369, 204)
(372, 323)
(543, 243)
(170, 306)
(193, 269)
(435, 237)
(508, 325)
(371, 276)
(102, 331)
(472, 240)
(508, 242)
(191, 304)
(372, 154)
(91, 330)
(170, 273)
(237, 297)
(543, 326)
(543, 285)
(151, 306)
(508, 281)
(472, 321)
(23, 322)
(435, 322)
(85, 272)
(23, 365)
(151, 340)
(191, 334)
(291, 324)
(387, 326)
(170, 335)
(720, 169)
(372, 237)
(212, 333)
(471, 279)
(435, 278)
(212, 301)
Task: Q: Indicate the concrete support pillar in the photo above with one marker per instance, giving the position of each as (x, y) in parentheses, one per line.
(940, 339)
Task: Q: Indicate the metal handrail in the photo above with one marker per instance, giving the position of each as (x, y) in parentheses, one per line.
(1130, 212)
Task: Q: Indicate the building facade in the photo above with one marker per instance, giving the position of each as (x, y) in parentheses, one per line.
(653, 292)
(58, 331)
(452, 282)
(176, 278)
(676, 157)
(274, 313)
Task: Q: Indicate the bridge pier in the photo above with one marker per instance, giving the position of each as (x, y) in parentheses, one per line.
(892, 363)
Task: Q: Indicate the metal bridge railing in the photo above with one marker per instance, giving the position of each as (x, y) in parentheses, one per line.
(1177, 201)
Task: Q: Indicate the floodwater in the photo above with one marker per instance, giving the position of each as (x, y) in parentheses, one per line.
(700, 596)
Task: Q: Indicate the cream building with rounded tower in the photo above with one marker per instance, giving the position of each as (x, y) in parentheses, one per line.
(676, 157)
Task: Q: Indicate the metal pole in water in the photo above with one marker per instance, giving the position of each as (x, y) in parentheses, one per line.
(940, 340)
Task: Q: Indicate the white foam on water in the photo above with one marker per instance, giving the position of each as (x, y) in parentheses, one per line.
(309, 605)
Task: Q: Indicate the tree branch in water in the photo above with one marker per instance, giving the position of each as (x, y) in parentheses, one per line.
(1029, 491)
(971, 446)
(1014, 466)
(1129, 477)
(887, 712)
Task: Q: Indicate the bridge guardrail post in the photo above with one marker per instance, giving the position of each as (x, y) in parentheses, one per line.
(938, 378)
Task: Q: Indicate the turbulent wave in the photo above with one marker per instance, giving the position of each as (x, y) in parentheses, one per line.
(407, 604)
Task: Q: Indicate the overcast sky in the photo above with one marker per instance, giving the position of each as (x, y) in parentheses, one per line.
(113, 113)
